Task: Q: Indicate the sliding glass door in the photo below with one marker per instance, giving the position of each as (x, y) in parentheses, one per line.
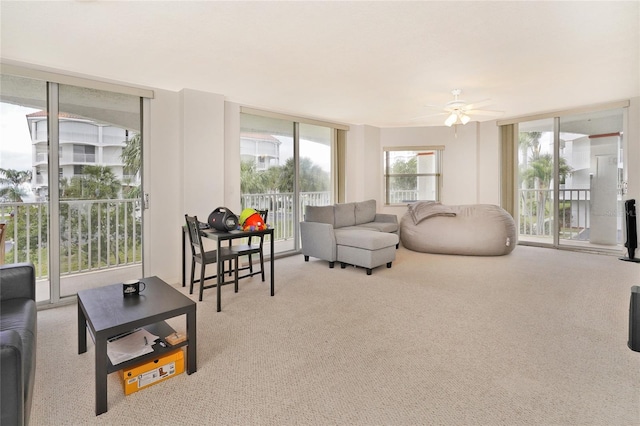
(592, 155)
(284, 166)
(315, 175)
(570, 180)
(535, 177)
(23, 214)
(86, 144)
(100, 209)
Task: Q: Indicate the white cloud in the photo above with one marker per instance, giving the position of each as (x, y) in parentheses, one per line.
(15, 140)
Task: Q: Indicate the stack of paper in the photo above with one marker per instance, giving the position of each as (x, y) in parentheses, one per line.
(129, 346)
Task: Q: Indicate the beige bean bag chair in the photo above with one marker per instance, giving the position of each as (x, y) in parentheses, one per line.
(475, 229)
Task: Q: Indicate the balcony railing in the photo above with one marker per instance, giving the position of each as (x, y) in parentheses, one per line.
(42, 157)
(102, 234)
(537, 215)
(280, 206)
(94, 235)
(403, 196)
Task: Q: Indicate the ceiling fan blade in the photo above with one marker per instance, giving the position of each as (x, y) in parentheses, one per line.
(460, 108)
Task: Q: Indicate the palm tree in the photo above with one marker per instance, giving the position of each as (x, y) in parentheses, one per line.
(250, 180)
(12, 180)
(540, 171)
(95, 183)
(529, 141)
(132, 160)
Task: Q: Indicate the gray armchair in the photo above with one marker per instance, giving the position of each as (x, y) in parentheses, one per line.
(18, 332)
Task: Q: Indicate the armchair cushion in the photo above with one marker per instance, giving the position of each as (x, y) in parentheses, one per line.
(17, 280)
(380, 226)
(345, 215)
(365, 212)
(321, 214)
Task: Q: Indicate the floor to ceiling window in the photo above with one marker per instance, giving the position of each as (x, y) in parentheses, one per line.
(571, 172)
(87, 232)
(285, 165)
(535, 174)
(22, 213)
(99, 186)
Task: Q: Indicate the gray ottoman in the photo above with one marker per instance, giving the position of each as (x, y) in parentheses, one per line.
(368, 249)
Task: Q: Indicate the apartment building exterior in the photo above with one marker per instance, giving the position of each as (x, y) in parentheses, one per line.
(82, 142)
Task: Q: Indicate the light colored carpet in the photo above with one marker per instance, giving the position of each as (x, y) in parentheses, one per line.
(538, 337)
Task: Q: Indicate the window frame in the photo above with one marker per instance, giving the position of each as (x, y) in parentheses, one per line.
(416, 150)
(299, 127)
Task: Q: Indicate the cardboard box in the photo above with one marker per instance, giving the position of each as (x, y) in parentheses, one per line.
(152, 372)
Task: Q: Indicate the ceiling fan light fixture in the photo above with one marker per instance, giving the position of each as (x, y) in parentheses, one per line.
(458, 111)
(451, 120)
(457, 117)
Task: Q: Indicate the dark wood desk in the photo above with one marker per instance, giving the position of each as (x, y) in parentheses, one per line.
(229, 236)
(107, 313)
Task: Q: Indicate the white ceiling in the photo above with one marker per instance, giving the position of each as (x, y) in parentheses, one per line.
(375, 63)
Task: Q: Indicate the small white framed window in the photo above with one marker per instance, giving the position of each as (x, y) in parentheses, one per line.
(412, 174)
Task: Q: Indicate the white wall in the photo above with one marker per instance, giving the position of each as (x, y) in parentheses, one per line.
(354, 184)
(363, 164)
(184, 172)
(202, 131)
(488, 187)
(458, 160)
(232, 157)
(163, 181)
(469, 164)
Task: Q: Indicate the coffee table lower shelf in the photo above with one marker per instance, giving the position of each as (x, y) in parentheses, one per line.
(160, 329)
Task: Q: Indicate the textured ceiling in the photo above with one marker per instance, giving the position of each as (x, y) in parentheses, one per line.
(376, 63)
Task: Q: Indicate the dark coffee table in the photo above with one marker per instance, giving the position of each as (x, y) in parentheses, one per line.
(107, 313)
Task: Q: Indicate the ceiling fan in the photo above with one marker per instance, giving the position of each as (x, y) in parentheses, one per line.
(459, 111)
